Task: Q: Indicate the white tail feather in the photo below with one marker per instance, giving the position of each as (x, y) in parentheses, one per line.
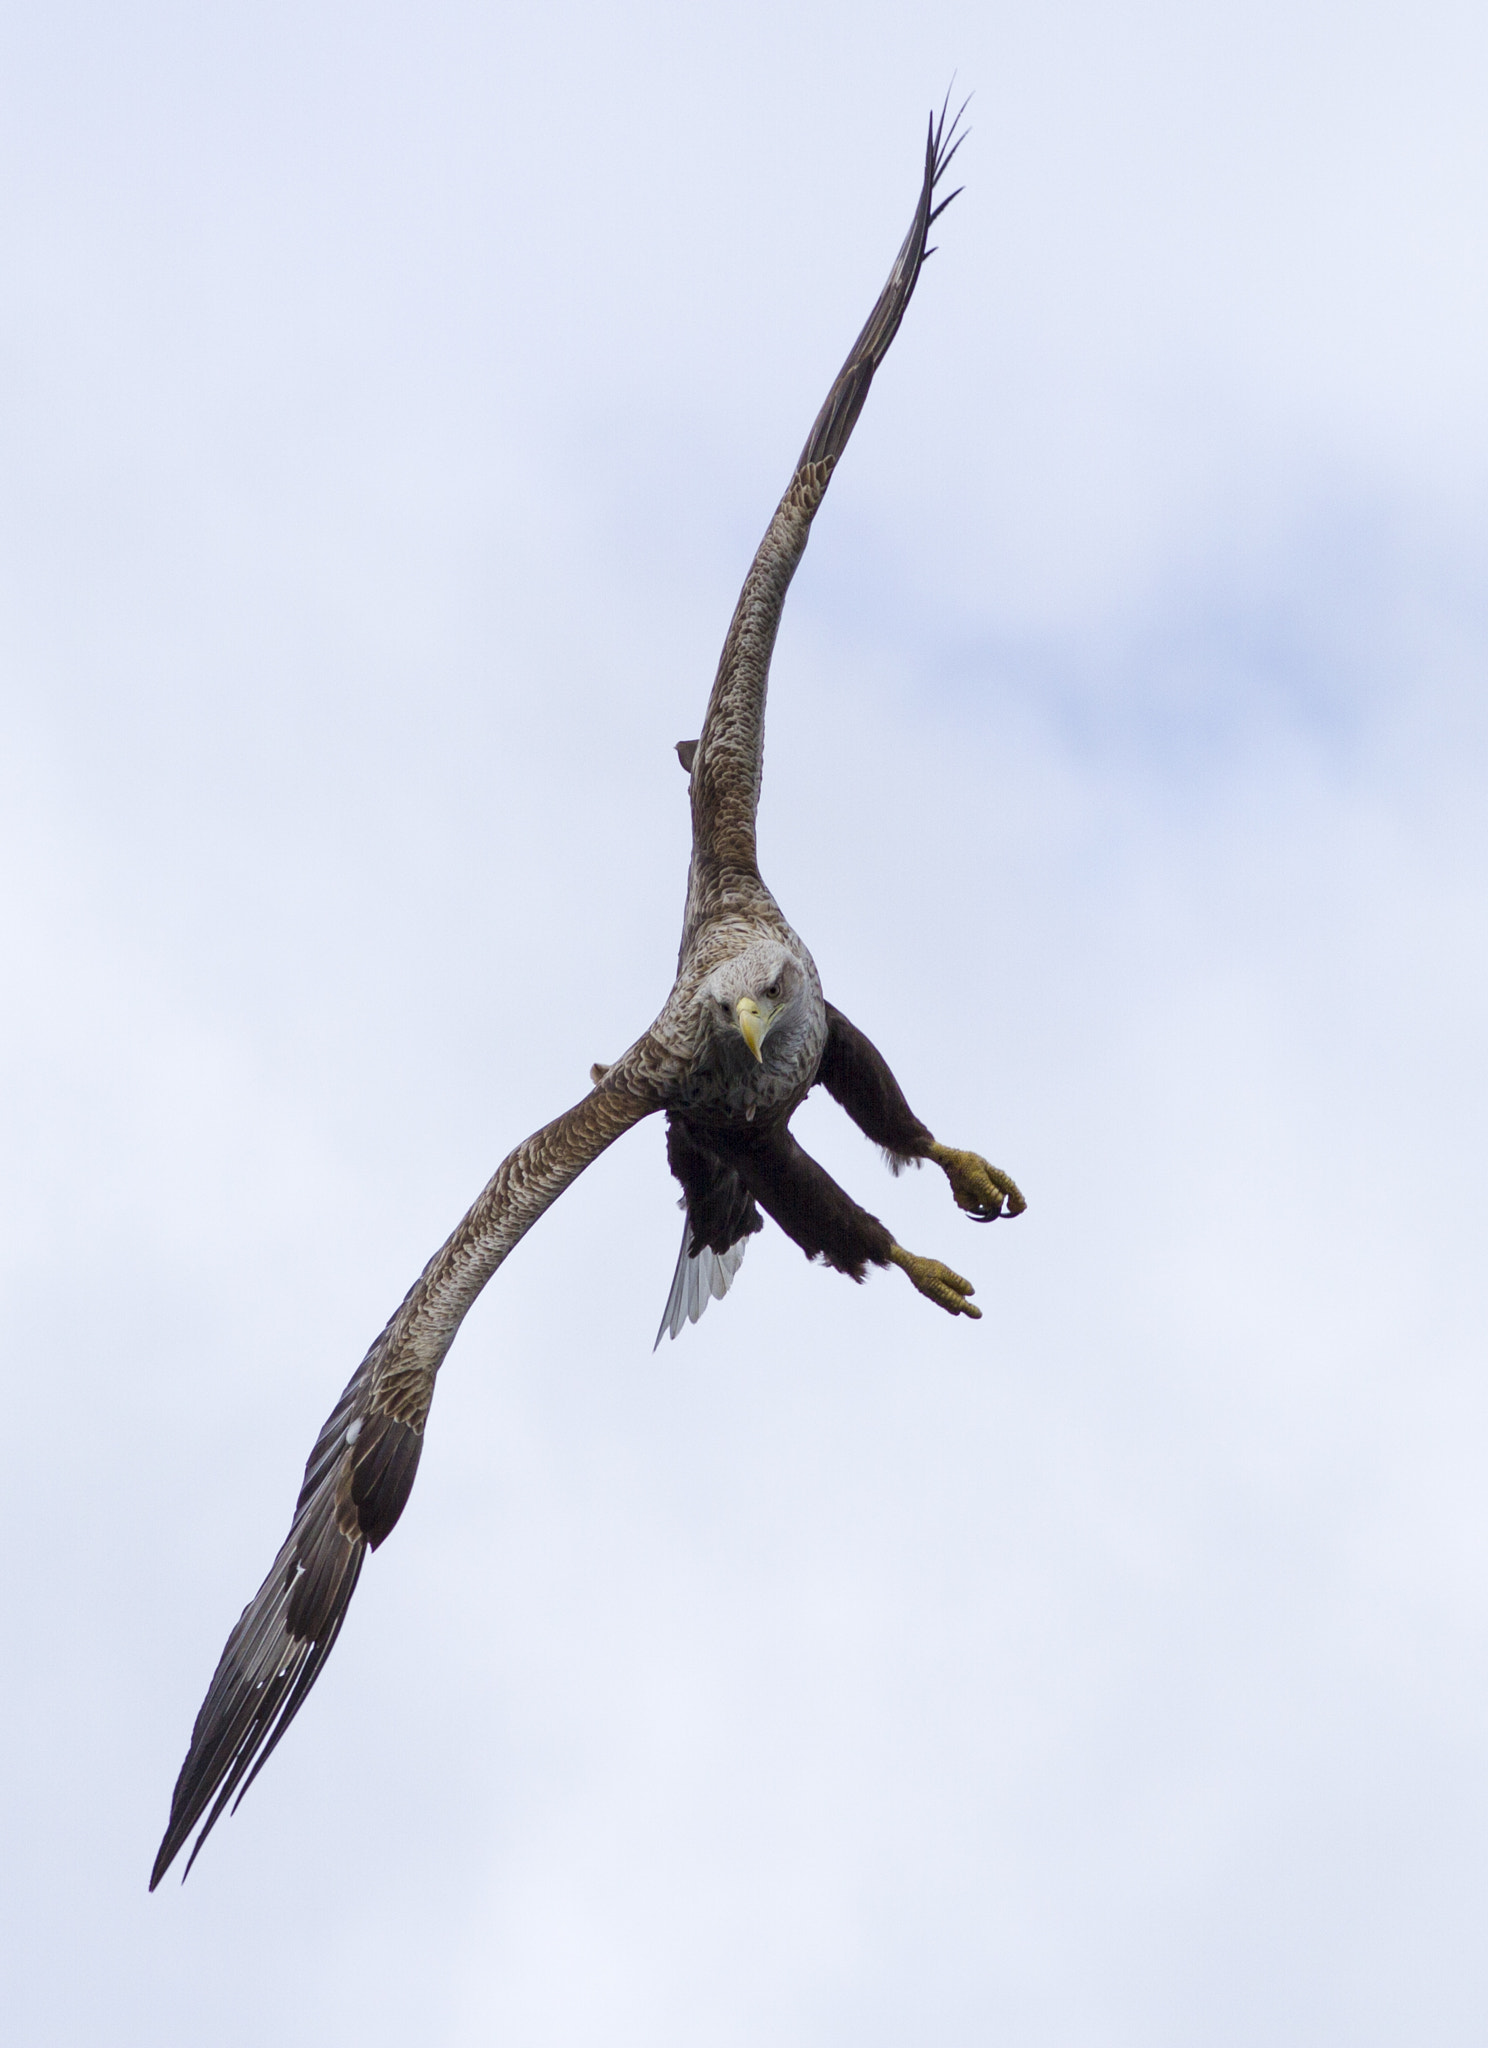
(697, 1281)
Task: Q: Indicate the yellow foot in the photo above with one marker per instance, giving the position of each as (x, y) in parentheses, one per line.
(937, 1282)
(980, 1189)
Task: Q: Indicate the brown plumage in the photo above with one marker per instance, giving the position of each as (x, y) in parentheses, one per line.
(743, 1035)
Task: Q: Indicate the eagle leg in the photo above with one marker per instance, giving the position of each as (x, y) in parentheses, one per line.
(982, 1190)
(855, 1072)
(937, 1282)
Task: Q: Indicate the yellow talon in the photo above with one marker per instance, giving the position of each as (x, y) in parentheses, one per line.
(937, 1282)
(980, 1189)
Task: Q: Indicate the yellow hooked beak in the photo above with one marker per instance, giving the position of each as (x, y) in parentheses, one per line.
(754, 1024)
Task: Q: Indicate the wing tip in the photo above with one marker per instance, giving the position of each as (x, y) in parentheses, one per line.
(833, 425)
(281, 1641)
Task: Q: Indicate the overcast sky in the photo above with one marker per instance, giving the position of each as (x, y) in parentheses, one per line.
(393, 397)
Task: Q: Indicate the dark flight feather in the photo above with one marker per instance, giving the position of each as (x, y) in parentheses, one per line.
(351, 1498)
(728, 762)
(833, 425)
(361, 1471)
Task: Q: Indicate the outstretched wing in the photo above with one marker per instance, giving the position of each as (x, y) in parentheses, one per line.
(726, 767)
(362, 1468)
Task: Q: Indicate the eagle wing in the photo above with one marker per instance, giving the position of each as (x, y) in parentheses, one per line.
(727, 761)
(361, 1471)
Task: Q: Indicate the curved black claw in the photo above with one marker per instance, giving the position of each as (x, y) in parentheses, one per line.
(983, 1191)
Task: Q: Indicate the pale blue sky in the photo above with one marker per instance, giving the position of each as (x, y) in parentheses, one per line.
(395, 396)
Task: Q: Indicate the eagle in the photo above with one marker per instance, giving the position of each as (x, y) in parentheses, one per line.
(744, 1035)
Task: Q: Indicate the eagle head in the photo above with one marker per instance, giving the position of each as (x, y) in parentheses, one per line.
(755, 999)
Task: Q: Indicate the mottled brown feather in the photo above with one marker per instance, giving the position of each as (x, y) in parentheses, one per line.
(727, 764)
(360, 1473)
(354, 1491)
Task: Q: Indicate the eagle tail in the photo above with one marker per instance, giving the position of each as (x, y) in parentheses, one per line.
(700, 1277)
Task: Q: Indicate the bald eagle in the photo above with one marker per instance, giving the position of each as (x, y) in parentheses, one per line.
(744, 1034)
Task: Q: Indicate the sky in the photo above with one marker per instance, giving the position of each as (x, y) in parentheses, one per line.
(393, 399)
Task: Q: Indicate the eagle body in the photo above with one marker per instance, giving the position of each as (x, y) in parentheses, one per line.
(743, 1036)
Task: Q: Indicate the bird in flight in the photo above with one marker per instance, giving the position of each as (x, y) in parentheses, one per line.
(744, 1035)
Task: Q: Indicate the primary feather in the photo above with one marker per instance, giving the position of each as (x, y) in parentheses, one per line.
(727, 1107)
